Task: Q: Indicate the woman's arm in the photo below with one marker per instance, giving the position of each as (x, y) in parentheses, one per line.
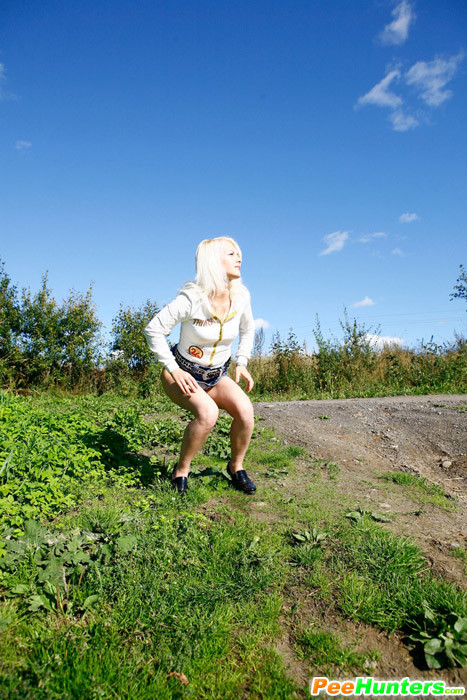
(245, 344)
(156, 331)
(247, 334)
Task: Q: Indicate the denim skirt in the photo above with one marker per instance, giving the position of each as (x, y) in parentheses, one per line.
(198, 372)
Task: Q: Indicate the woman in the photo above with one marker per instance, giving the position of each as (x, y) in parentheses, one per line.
(212, 311)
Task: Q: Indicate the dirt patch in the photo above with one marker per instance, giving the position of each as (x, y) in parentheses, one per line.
(423, 435)
(368, 438)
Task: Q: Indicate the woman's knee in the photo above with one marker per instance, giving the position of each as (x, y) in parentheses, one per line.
(207, 416)
(244, 413)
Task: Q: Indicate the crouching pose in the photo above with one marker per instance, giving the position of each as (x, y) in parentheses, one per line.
(212, 311)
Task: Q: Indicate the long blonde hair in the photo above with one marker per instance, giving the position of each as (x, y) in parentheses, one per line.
(209, 273)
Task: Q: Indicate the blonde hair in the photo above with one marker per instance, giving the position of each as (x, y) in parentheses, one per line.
(209, 273)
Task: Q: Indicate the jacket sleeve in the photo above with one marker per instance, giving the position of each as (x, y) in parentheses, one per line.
(156, 331)
(247, 334)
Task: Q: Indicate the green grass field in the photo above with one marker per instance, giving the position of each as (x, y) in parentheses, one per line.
(114, 587)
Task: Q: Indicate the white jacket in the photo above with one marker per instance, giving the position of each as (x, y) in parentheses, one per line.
(204, 338)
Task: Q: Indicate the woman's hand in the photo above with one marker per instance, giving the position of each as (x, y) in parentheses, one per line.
(185, 382)
(243, 372)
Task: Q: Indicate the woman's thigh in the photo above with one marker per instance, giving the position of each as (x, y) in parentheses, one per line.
(229, 396)
(198, 403)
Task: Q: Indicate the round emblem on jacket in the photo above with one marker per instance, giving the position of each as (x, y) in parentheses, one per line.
(195, 351)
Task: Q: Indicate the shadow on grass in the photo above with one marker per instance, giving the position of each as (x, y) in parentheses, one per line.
(116, 454)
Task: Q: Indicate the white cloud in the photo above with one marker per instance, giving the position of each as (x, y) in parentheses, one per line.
(364, 302)
(261, 323)
(402, 122)
(380, 341)
(398, 251)
(397, 31)
(368, 238)
(22, 145)
(430, 78)
(407, 218)
(380, 94)
(334, 241)
(427, 78)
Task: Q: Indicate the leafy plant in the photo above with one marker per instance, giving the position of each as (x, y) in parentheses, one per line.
(54, 563)
(444, 641)
(356, 515)
(218, 443)
(315, 537)
(168, 432)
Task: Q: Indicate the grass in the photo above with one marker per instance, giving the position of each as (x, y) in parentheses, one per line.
(199, 596)
(329, 655)
(421, 488)
(198, 589)
(460, 553)
(350, 367)
(383, 580)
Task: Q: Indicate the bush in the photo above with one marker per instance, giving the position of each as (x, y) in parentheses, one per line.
(129, 343)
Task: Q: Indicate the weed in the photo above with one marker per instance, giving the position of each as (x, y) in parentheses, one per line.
(332, 468)
(307, 547)
(218, 442)
(356, 515)
(444, 642)
(313, 538)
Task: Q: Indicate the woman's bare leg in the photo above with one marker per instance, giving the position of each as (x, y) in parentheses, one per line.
(205, 413)
(229, 396)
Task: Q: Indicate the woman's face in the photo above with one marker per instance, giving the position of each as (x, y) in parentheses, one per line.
(231, 261)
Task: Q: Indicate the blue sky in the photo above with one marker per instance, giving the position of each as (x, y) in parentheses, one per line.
(327, 136)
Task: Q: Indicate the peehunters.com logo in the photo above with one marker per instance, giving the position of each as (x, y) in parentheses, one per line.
(370, 686)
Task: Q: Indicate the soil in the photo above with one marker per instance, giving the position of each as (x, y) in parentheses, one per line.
(422, 435)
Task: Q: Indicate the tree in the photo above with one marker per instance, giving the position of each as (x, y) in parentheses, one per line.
(79, 333)
(58, 340)
(460, 289)
(9, 328)
(258, 344)
(129, 342)
(9, 316)
(39, 332)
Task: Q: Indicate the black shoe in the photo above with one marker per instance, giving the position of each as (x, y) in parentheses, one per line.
(241, 480)
(179, 483)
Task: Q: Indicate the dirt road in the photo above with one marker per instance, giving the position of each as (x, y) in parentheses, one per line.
(423, 435)
(368, 439)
